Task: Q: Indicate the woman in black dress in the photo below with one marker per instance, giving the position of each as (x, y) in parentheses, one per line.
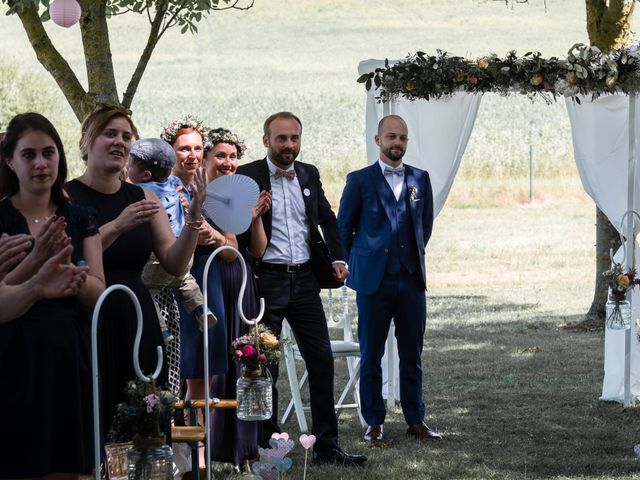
(45, 362)
(132, 224)
(232, 440)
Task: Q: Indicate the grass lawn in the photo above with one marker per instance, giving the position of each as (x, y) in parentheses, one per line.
(514, 393)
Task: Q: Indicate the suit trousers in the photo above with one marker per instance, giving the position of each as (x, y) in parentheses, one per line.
(296, 297)
(400, 297)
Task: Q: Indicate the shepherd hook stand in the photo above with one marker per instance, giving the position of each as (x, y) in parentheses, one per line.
(628, 244)
(94, 363)
(205, 337)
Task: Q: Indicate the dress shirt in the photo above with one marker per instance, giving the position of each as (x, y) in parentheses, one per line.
(289, 225)
(394, 181)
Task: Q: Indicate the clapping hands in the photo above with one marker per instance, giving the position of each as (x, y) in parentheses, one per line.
(58, 277)
(51, 239)
(198, 191)
(136, 214)
(262, 205)
(12, 250)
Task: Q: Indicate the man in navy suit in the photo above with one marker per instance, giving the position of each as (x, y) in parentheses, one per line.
(385, 221)
(296, 263)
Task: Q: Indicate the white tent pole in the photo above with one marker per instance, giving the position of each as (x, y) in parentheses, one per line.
(629, 240)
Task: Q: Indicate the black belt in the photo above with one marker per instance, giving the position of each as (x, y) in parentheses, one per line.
(284, 267)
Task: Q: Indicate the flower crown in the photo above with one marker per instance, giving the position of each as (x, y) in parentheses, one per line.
(222, 135)
(170, 132)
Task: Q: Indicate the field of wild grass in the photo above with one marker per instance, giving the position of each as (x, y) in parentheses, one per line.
(514, 393)
(302, 55)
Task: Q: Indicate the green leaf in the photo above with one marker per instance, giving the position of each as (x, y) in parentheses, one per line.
(44, 16)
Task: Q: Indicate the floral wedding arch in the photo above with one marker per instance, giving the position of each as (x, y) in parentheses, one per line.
(439, 96)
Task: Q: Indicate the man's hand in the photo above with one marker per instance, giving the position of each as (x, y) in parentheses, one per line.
(340, 272)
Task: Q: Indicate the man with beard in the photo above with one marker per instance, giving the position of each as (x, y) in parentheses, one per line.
(385, 221)
(288, 275)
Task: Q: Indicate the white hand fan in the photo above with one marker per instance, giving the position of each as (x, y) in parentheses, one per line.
(229, 201)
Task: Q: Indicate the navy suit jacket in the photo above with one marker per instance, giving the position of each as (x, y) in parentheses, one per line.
(365, 226)
(325, 248)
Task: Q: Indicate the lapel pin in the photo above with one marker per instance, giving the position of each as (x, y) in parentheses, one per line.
(306, 192)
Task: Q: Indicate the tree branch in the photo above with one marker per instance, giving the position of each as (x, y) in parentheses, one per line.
(53, 62)
(154, 35)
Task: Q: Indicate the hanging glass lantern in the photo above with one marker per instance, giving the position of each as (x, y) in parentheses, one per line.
(618, 312)
(254, 394)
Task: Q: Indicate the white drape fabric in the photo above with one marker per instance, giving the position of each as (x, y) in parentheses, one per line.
(439, 131)
(600, 130)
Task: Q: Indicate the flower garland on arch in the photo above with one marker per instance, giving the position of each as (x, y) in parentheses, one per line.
(586, 70)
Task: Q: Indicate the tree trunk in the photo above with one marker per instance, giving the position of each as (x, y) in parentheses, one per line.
(609, 27)
(607, 238)
(97, 54)
(609, 23)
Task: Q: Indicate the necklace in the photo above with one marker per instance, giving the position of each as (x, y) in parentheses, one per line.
(43, 218)
(38, 220)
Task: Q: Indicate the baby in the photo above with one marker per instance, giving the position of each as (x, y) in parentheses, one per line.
(150, 164)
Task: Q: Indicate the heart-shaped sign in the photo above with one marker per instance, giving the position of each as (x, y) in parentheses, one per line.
(266, 471)
(266, 454)
(282, 464)
(278, 436)
(281, 446)
(307, 441)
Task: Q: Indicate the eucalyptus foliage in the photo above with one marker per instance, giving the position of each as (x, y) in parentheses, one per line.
(586, 70)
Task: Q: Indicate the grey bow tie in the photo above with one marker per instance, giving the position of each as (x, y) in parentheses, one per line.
(288, 174)
(394, 171)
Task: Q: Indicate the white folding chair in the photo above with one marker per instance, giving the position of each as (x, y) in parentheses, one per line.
(338, 319)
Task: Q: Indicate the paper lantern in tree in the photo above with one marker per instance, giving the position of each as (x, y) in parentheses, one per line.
(65, 12)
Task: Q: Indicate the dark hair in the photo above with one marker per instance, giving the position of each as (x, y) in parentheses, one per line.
(157, 173)
(95, 123)
(276, 116)
(18, 125)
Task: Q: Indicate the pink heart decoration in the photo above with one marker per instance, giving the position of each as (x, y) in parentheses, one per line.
(307, 441)
(281, 447)
(283, 435)
(266, 471)
(267, 454)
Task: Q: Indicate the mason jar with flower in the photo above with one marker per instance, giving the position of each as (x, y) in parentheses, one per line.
(144, 419)
(618, 308)
(255, 350)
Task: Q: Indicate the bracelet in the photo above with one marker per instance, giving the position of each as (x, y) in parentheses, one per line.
(197, 225)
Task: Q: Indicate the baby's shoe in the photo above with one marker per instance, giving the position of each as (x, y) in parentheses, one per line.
(167, 337)
(198, 312)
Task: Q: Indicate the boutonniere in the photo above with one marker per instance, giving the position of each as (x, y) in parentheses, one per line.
(413, 191)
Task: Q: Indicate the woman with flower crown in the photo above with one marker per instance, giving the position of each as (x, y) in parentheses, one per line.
(187, 137)
(232, 440)
(132, 225)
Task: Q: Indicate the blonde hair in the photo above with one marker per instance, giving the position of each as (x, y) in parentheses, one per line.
(95, 123)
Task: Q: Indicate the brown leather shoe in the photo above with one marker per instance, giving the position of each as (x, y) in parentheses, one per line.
(423, 433)
(374, 433)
